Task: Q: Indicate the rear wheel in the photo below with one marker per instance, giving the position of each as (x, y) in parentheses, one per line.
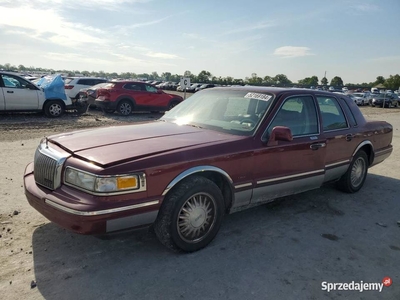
(125, 107)
(172, 104)
(353, 180)
(190, 215)
(54, 109)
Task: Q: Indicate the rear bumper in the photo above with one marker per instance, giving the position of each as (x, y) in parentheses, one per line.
(381, 155)
(58, 208)
(105, 104)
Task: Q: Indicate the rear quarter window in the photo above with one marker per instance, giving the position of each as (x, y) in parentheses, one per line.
(348, 111)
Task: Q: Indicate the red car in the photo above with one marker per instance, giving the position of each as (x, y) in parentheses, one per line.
(220, 151)
(127, 96)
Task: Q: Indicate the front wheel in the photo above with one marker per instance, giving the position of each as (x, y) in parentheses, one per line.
(353, 180)
(190, 215)
(54, 109)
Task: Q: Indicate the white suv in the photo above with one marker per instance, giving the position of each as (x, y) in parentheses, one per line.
(74, 84)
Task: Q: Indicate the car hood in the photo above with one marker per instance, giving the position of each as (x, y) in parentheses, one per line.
(111, 145)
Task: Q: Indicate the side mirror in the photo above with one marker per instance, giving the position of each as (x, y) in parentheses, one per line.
(280, 133)
(159, 91)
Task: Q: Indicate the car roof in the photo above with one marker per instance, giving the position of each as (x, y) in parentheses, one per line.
(276, 90)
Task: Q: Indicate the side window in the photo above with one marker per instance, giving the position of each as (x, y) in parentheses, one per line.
(151, 89)
(331, 113)
(14, 82)
(299, 114)
(133, 87)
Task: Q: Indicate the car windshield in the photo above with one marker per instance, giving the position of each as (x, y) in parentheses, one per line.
(231, 111)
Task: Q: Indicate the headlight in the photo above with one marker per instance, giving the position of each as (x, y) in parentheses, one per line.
(105, 184)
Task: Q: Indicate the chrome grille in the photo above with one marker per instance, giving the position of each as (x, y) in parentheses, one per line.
(47, 166)
(45, 169)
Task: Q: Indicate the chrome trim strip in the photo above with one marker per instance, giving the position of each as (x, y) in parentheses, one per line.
(290, 176)
(99, 212)
(141, 178)
(337, 163)
(193, 171)
(243, 185)
(366, 142)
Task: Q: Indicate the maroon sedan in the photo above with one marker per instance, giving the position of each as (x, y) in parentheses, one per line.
(220, 151)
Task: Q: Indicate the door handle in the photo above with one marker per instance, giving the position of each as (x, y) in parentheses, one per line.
(316, 146)
(10, 92)
(349, 137)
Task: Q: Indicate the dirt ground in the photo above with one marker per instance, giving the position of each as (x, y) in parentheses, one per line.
(280, 251)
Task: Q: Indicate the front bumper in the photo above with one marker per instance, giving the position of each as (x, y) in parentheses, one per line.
(61, 208)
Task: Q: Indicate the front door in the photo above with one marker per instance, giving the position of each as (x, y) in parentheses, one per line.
(18, 95)
(293, 166)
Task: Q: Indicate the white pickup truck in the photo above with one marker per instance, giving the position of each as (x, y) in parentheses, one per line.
(18, 94)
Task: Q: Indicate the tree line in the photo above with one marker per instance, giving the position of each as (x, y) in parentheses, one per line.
(393, 82)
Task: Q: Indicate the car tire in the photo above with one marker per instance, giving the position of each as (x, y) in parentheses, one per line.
(353, 180)
(125, 107)
(190, 215)
(54, 109)
(172, 104)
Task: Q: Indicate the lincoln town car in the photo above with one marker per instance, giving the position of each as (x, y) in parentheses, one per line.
(220, 151)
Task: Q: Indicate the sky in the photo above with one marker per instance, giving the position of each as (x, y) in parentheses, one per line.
(357, 40)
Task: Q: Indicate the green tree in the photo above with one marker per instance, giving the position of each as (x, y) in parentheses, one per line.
(337, 81)
(204, 76)
(282, 79)
(324, 81)
(393, 82)
(166, 76)
(268, 80)
(309, 81)
(379, 80)
(254, 79)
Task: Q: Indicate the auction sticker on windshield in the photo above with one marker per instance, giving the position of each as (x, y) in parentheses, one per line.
(258, 96)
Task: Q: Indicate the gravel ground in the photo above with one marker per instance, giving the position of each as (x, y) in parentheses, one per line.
(279, 251)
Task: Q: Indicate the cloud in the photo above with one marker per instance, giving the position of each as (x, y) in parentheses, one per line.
(162, 55)
(366, 7)
(110, 5)
(256, 26)
(38, 23)
(291, 51)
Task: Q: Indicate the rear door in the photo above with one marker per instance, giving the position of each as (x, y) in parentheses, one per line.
(290, 167)
(340, 141)
(18, 95)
